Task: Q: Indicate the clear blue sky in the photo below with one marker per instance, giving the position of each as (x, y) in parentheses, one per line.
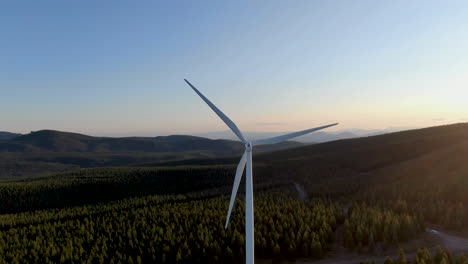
(117, 67)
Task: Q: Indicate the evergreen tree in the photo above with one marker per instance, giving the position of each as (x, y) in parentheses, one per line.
(401, 257)
(388, 260)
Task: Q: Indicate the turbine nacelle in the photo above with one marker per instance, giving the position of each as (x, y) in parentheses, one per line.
(248, 146)
(246, 159)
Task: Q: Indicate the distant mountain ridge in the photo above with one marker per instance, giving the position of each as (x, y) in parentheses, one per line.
(54, 151)
(8, 136)
(57, 141)
(440, 147)
(316, 137)
(48, 151)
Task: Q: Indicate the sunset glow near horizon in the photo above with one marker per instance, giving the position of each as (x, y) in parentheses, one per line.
(117, 67)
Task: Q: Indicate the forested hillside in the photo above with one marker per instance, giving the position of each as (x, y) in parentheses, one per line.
(173, 215)
(7, 135)
(48, 151)
(419, 167)
(369, 196)
(57, 141)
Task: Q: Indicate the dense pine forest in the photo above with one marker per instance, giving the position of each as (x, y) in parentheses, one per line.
(366, 199)
(176, 215)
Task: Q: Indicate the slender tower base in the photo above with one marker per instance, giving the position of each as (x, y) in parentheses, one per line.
(249, 212)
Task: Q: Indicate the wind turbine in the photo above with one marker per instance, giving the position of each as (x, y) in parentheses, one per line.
(247, 159)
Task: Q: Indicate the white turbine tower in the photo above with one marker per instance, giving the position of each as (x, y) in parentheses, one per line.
(247, 158)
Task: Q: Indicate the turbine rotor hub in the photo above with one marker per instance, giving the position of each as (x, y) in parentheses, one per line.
(248, 146)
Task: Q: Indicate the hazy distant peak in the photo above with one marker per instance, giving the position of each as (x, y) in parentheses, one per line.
(8, 135)
(316, 137)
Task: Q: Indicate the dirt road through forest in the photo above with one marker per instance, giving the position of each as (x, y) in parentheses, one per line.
(455, 243)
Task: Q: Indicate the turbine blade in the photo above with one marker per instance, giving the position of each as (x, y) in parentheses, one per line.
(282, 138)
(221, 115)
(237, 179)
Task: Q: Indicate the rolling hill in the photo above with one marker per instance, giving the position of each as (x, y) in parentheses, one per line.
(426, 160)
(417, 152)
(382, 192)
(7, 135)
(365, 154)
(56, 141)
(55, 151)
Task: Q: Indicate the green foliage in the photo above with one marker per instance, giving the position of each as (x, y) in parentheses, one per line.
(166, 229)
(423, 256)
(368, 225)
(388, 260)
(176, 215)
(401, 257)
(447, 200)
(89, 186)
